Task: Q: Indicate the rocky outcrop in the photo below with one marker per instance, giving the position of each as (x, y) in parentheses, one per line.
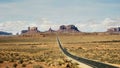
(31, 30)
(5, 33)
(62, 29)
(50, 30)
(116, 29)
(68, 28)
(24, 31)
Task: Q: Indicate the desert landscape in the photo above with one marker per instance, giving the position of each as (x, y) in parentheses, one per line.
(42, 51)
(59, 33)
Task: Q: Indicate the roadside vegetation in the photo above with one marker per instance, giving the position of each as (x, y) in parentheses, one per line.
(32, 52)
(43, 51)
(103, 48)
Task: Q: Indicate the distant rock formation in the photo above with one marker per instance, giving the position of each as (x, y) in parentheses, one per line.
(24, 31)
(62, 29)
(5, 33)
(116, 29)
(31, 30)
(50, 30)
(68, 28)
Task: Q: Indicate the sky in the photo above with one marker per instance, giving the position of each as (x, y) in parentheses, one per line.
(87, 15)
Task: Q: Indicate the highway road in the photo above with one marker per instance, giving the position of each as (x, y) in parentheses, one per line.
(87, 63)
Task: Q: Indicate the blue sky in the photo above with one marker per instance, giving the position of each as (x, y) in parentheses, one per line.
(98, 14)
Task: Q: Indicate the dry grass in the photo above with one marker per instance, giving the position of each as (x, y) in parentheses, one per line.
(105, 48)
(43, 51)
(31, 52)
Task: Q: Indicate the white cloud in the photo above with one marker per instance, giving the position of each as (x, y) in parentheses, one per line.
(43, 24)
(13, 26)
(95, 26)
(111, 22)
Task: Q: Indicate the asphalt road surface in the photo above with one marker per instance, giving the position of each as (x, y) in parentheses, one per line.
(85, 63)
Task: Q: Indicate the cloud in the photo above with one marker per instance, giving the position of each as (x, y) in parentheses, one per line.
(97, 26)
(111, 22)
(57, 9)
(43, 24)
(13, 26)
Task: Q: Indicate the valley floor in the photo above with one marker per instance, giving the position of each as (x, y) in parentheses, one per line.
(43, 51)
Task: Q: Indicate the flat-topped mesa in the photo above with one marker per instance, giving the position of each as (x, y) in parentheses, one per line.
(115, 29)
(31, 30)
(68, 28)
(62, 29)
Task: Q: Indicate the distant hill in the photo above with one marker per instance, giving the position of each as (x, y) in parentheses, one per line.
(5, 33)
(68, 28)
